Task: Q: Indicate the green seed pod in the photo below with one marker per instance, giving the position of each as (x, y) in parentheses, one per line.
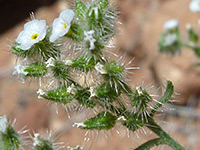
(36, 70)
(103, 121)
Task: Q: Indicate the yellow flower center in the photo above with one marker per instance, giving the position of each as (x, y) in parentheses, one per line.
(34, 36)
(64, 26)
(199, 4)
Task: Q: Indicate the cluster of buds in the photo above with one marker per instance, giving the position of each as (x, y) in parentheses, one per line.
(11, 139)
(171, 41)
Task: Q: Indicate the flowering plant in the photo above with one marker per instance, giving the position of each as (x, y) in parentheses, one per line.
(90, 28)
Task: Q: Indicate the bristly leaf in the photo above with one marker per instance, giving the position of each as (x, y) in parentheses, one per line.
(197, 51)
(59, 95)
(165, 98)
(103, 121)
(36, 70)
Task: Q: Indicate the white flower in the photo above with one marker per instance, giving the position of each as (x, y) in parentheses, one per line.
(36, 139)
(171, 24)
(170, 39)
(92, 92)
(78, 125)
(195, 6)
(188, 26)
(89, 37)
(100, 68)
(139, 90)
(34, 31)
(41, 93)
(50, 62)
(61, 25)
(71, 89)
(3, 123)
(68, 62)
(19, 70)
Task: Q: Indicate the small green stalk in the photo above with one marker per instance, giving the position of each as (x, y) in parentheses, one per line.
(151, 143)
(167, 139)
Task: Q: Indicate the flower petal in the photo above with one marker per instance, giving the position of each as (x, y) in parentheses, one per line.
(67, 15)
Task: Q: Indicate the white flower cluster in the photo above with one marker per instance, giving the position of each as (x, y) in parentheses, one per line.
(36, 30)
(89, 37)
(36, 139)
(171, 24)
(170, 39)
(100, 68)
(19, 70)
(195, 6)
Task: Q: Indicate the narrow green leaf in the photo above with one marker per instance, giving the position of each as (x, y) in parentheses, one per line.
(165, 98)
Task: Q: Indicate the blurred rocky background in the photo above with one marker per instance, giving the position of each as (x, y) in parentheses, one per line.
(137, 38)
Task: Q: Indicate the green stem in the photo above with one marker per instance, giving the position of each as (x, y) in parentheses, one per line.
(163, 135)
(151, 143)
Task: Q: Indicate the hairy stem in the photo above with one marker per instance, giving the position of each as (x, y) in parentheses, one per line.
(151, 143)
(167, 139)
